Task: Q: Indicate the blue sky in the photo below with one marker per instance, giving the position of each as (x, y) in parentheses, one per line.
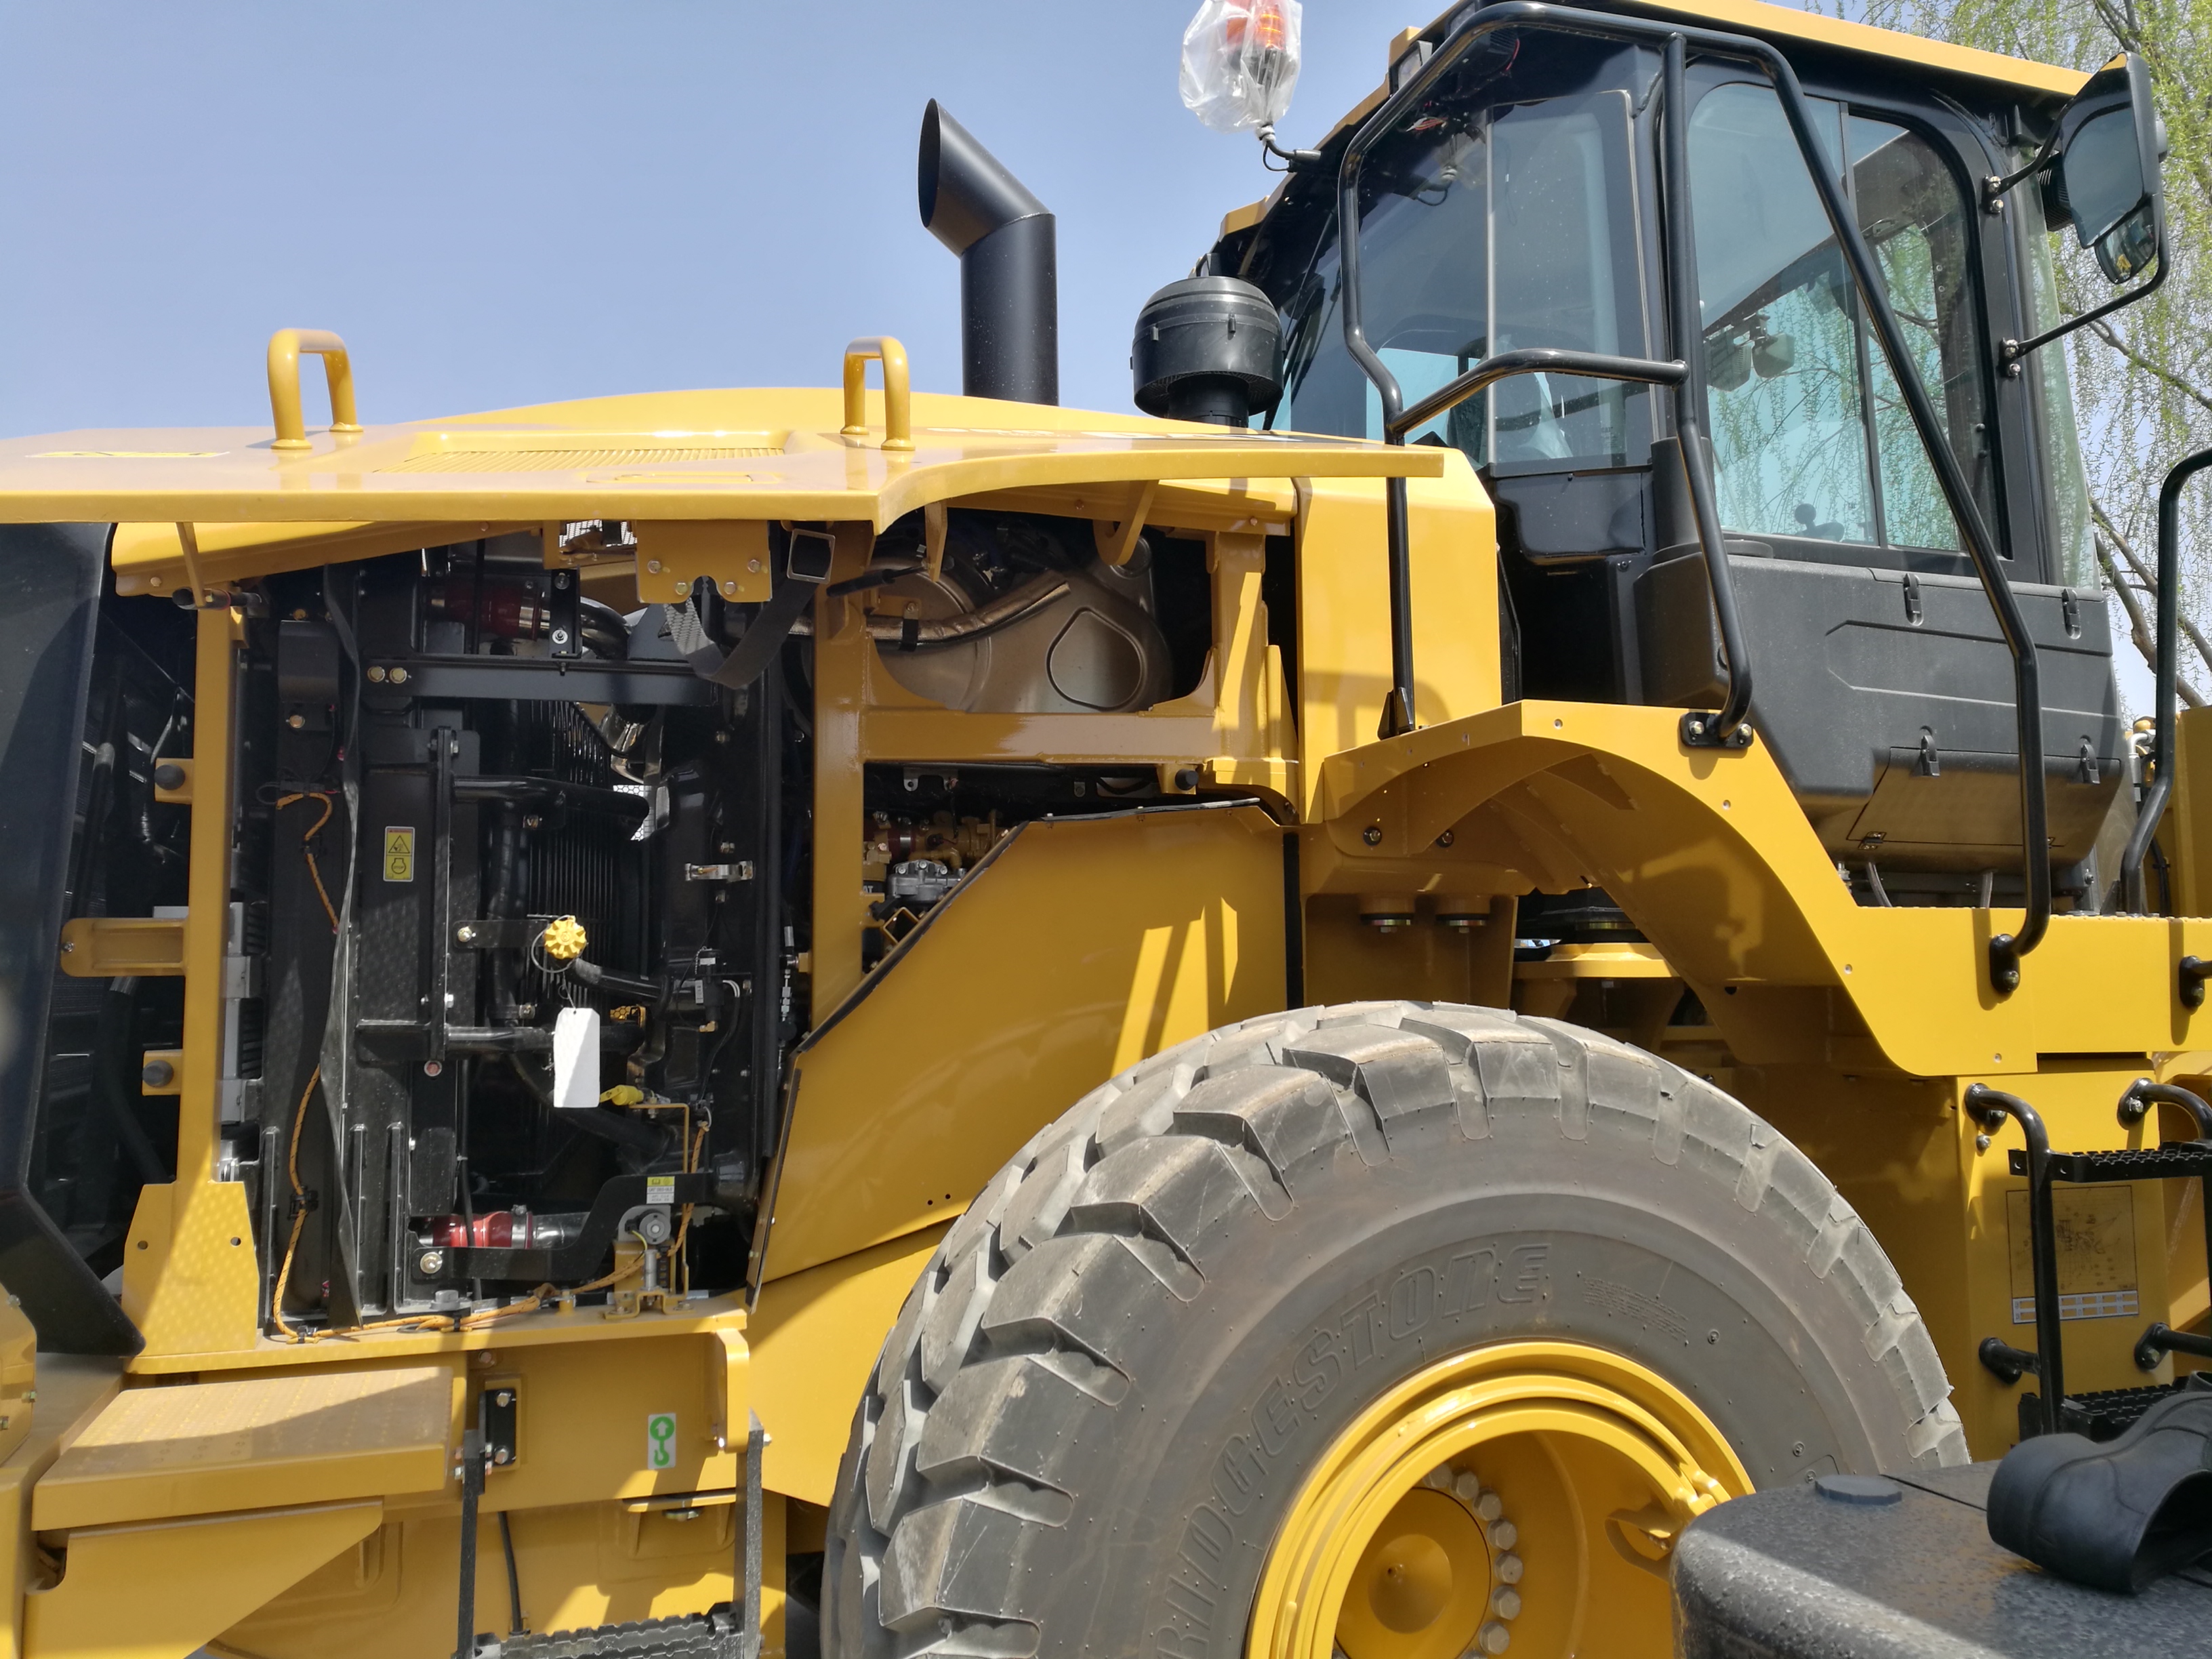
(498, 202)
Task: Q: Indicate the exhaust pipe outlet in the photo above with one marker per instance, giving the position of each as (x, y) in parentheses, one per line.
(1009, 263)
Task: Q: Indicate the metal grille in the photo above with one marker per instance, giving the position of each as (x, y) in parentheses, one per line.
(592, 870)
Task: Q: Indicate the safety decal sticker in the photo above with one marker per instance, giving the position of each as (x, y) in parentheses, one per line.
(660, 1441)
(399, 851)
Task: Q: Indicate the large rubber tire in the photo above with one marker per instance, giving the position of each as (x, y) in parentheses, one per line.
(1187, 1286)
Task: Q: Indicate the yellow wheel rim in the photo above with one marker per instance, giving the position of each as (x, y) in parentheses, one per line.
(1524, 1497)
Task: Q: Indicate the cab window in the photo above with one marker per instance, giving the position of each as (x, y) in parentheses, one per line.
(1509, 226)
(1811, 436)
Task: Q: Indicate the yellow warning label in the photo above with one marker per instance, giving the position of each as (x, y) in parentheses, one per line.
(2096, 1235)
(399, 851)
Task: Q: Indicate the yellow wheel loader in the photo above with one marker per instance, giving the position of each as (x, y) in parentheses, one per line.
(856, 1022)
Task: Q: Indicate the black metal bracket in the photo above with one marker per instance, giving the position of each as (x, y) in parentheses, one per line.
(2189, 974)
(1701, 730)
(2004, 1362)
(2160, 1340)
(2004, 964)
(566, 614)
(749, 1641)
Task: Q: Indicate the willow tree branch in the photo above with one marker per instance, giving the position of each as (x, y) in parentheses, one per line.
(2142, 575)
(2151, 366)
(2139, 625)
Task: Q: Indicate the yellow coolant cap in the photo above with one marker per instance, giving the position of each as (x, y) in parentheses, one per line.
(565, 938)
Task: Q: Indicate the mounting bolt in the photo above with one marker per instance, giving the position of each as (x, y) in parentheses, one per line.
(1981, 1142)
(430, 1263)
(169, 775)
(652, 565)
(1445, 839)
(376, 673)
(465, 933)
(1372, 835)
(158, 1074)
(297, 723)
(398, 676)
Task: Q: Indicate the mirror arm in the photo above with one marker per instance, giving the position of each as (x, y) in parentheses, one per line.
(1995, 188)
(2011, 353)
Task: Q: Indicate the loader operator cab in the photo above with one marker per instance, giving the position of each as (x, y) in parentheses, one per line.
(1523, 206)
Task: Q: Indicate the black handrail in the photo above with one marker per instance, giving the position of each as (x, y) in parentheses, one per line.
(2005, 950)
(1533, 359)
(2169, 664)
(1991, 1107)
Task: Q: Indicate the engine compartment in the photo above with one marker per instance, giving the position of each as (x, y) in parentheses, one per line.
(519, 935)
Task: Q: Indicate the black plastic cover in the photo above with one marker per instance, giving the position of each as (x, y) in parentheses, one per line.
(1887, 698)
(1208, 348)
(49, 584)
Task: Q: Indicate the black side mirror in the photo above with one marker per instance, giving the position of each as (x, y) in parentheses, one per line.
(2100, 172)
(2104, 168)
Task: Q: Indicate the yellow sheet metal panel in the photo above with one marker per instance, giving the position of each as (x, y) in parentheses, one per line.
(158, 1590)
(671, 556)
(723, 455)
(253, 1443)
(816, 1335)
(189, 1281)
(1716, 864)
(1344, 607)
(73, 1392)
(1083, 946)
(548, 1327)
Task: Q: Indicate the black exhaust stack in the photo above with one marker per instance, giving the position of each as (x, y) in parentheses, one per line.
(1009, 264)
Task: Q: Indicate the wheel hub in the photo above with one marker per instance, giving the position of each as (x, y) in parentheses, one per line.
(1400, 1545)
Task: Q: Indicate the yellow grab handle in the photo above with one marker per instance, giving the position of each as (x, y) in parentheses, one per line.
(898, 418)
(285, 346)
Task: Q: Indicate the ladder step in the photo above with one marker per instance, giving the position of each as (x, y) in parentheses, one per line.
(2111, 1413)
(2178, 1159)
(692, 1636)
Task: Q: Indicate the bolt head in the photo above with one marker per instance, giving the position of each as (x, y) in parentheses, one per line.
(1372, 835)
(398, 677)
(376, 673)
(430, 1263)
(295, 722)
(652, 567)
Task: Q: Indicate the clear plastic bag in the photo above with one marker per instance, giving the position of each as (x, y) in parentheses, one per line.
(1240, 62)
